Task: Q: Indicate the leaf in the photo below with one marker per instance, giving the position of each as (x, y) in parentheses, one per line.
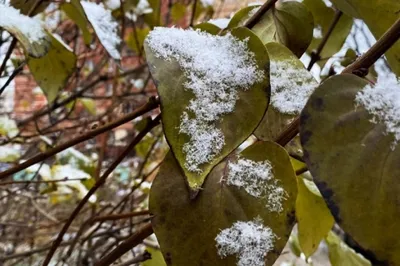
(291, 85)
(153, 19)
(89, 104)
(289, 23)
(178, 12)
(249, 108)
(157, 258)
(74, 11)
(208, 27)
(8, 127)
(313, 216)
(340, 254)
(379, 15)
(29, 31)
(323, 17)
(10, 153)
(181, 223)
(354, 166)
(52, 71)
(25, 6)
(136, 43)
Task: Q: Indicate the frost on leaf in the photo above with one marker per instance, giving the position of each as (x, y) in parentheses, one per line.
(29, 31)
(290, 86)
(250, 241)
(382, 101)
(258, 180)
(104, 26)
(216, 68)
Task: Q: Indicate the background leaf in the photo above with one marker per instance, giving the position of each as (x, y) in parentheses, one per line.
(74, 11)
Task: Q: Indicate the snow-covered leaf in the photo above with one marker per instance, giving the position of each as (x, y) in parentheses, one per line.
(105, 26)
(8, 127)
(10, 153)
(29, 31)
(207, 85)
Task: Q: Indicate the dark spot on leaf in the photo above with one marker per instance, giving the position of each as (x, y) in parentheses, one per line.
(305, 137)
(291, 217)
(317, 104)
(328, 193)
(168, 258)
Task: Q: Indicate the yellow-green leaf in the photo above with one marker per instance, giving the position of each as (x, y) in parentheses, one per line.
(74, 11)
(89, 104)
(25, 6)
(178, 11)
(52, 71)
(135, 40)
(313, 216)
(157, 258)
(342, 255)
(218, 206)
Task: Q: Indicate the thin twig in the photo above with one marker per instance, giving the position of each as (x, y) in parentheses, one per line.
(251, 22)
(114, 217)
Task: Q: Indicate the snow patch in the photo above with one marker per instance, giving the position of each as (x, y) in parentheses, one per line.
(250, 241)
(143, 7)
(105, 27)
(290, 86)
(207, 3)
(382, 101)
(258, 180)
(221, 23)
(216, 68)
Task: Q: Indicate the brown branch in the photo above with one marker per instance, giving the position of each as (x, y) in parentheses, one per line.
(315, 55)
(150, 105)
(126, 245)
(8, 54)
(365, 61)
(251, 22)
(98, 184)
(41, 181)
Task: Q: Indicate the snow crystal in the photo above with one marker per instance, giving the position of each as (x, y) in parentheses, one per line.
(382, 101)
(250, 241)
(290, 87)
(221, 23)
(31, 28)
(258, 180)
(104, 26)
(216, 67)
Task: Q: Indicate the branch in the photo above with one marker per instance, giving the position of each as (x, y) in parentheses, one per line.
(115, 217)
(251, 22)
(12, 76)
(42, 181)
(126, 245)
(98, 184)
(150, 105)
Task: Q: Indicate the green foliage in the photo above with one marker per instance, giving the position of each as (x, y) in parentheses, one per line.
(157, 258)
(323, 17)
(25, 6)
(249, 110)
(52, 71)
(289, 23)
(313, 216)
(178, 12)
(208, 27)
(379, 15)
(75, 11)
(342, 255)
(135, 40)
(196, 223)
(354, 164)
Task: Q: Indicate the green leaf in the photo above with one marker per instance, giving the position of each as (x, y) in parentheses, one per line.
(29, 31)
(74, 11)
(89, 104)
(354, 165)
(135, 42)
(181, 224)
(249, 108)
(25, 6)
(208, 27)
(323, 17)
(52, 71)
(313, 216)
(340, 254)
(289, 23)
(291, 85)
(153, 19)
(178, 11)
(157, 258)
(379, 15)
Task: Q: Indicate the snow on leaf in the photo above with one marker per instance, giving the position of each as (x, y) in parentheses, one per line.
(105, 27)
(258, 180)
(250, 241)
(8, 127)
(10, 153)
(290, 87)
(29, 31)
(221, 23)
(382, 101)
(67, 172)
(216, 67)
